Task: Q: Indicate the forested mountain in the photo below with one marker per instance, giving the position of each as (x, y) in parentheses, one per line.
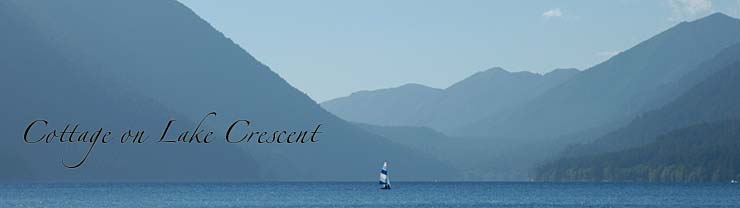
(135, 64)
(699, 153)
(712, 99)
(620, 88)
(624, 90)
(640, 88)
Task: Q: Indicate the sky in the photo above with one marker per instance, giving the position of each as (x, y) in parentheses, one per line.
(331, 48)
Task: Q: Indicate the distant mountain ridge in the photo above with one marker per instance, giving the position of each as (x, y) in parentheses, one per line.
(707, 112)
(483, 93)
(616, 90)
(636, 88)
(714, 98)
(393, 106)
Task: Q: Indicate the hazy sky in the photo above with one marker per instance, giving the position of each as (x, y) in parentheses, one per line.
(331, 48)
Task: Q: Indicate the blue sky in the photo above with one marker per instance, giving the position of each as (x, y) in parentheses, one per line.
(331, 48)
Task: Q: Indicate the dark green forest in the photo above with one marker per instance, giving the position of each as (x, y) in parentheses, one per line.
(707, 152)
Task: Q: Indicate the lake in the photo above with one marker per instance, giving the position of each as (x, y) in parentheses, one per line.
(367, 194)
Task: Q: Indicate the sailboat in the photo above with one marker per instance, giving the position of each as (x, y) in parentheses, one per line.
(385, 181)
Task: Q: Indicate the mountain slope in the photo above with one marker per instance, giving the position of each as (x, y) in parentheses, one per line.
(40, 82)
(489, 93)
(713, 99)
(698, 153)
(484, 93)
(136, 51)
(394, 106)
(616, 90)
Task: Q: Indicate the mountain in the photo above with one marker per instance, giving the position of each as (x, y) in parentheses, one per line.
(489, 93)
(397, 106)
(135, 64)
(599, 100)
(698, 153)
(712, 99)
(40, 82)
(613, 92)
(482, 94)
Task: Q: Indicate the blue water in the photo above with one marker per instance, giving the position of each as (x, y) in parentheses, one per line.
(470, 194)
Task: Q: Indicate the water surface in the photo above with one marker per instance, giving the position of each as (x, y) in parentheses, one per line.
(366, 194)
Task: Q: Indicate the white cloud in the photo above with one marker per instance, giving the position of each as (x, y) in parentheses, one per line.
(556, 12)
(689, 9)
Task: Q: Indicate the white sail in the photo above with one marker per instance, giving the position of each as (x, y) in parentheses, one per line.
(384, 180)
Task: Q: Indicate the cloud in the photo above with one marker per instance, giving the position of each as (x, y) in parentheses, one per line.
(689, 9)
(556, 12)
